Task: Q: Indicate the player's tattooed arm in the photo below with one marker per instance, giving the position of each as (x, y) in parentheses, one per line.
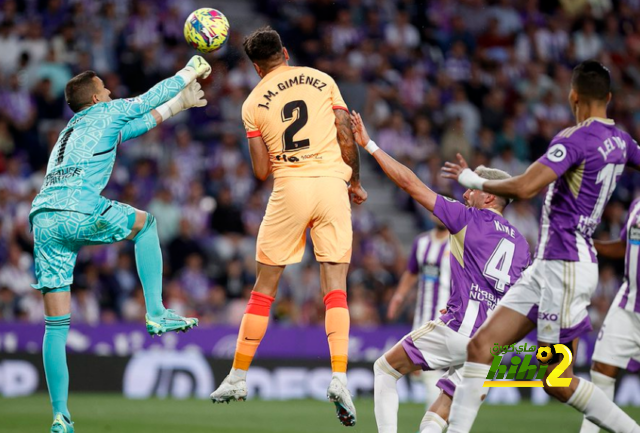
(259, 158)
(523, 187)
(397, 172)
(612, 249)
(350, 155)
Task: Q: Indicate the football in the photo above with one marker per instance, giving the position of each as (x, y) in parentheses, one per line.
(544, 354)
(206, 30)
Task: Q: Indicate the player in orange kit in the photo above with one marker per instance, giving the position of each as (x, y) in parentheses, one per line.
(299, 129)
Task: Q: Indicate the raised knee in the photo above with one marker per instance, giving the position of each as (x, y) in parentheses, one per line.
(382, 367)
(377, 366)
(143, 221)
(477, 349)
(147, 221)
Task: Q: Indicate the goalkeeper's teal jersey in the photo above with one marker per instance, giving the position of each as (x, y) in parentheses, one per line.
(82, 159)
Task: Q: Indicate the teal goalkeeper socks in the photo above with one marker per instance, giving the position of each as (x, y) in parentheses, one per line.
(149, 264)
(54, 356)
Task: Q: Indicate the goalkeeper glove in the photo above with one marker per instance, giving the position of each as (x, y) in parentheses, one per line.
(190, 96)
(196, 68)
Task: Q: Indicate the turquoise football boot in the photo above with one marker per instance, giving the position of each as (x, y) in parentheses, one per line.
(61, 424)
(169, 321)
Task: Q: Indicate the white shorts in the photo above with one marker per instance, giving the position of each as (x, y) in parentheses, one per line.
(555, 295)
(435, 346)
(619, 339)
(450, 380)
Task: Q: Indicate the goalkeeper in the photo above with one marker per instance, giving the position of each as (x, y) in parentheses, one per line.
(69, 211)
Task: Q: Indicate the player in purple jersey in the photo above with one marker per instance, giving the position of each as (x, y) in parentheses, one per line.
(618, 344)
(581, 169)
(429, 267)
(487, 255)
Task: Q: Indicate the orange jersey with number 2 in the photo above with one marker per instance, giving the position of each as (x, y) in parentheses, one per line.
(292, 109)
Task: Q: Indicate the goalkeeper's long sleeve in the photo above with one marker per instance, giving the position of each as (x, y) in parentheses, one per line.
(153, 98)
(137, 127)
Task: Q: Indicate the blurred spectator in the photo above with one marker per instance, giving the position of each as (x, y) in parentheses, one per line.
(84, 306)
(455, 141)
(461, 108)
(133, 309)
(16, 272)
(401, 33)
(588, 42)
(167, 214)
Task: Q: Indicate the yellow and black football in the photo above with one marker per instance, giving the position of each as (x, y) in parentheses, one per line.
(544, 354)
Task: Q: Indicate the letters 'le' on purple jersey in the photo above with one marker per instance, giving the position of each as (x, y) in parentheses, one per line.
(588, 159)
(488, 255)
(631, 235)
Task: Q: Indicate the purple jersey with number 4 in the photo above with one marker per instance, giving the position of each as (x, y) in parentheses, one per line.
(630, 233)
(488, 255)
(588, 159)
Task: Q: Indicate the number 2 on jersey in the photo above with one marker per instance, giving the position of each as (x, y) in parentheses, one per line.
(288, 111)
(498, 266)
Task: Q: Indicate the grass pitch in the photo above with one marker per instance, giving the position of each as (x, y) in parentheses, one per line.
(102, 413)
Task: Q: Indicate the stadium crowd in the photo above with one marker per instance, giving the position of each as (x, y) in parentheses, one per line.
(488, 79)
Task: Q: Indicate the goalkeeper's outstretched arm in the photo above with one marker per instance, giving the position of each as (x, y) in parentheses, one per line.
(191, 96)
(165, 90)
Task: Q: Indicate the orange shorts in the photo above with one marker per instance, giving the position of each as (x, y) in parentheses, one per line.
(297, 203)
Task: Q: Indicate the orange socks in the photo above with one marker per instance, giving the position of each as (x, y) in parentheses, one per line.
(252, 329)
(256, 319)
(337, 327)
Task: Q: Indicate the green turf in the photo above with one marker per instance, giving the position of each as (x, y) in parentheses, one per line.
(99, 413)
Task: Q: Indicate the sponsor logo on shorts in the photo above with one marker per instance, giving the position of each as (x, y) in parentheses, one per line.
(522, 372)
(547, 316)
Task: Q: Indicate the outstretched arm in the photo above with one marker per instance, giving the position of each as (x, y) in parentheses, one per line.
(612, 249)
(398, 173)
(350, 154)
(192, 96)
(164, 91)
(524, 187)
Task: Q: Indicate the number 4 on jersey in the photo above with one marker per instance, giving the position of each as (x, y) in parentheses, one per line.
(499, 265)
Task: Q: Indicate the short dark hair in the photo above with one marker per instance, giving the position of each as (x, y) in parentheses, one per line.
(263, 46)
(79, 90)
(591, 80)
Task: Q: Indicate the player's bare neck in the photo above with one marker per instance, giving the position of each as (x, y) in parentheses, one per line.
(273, 68)
(587, 111)
(495, 209)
